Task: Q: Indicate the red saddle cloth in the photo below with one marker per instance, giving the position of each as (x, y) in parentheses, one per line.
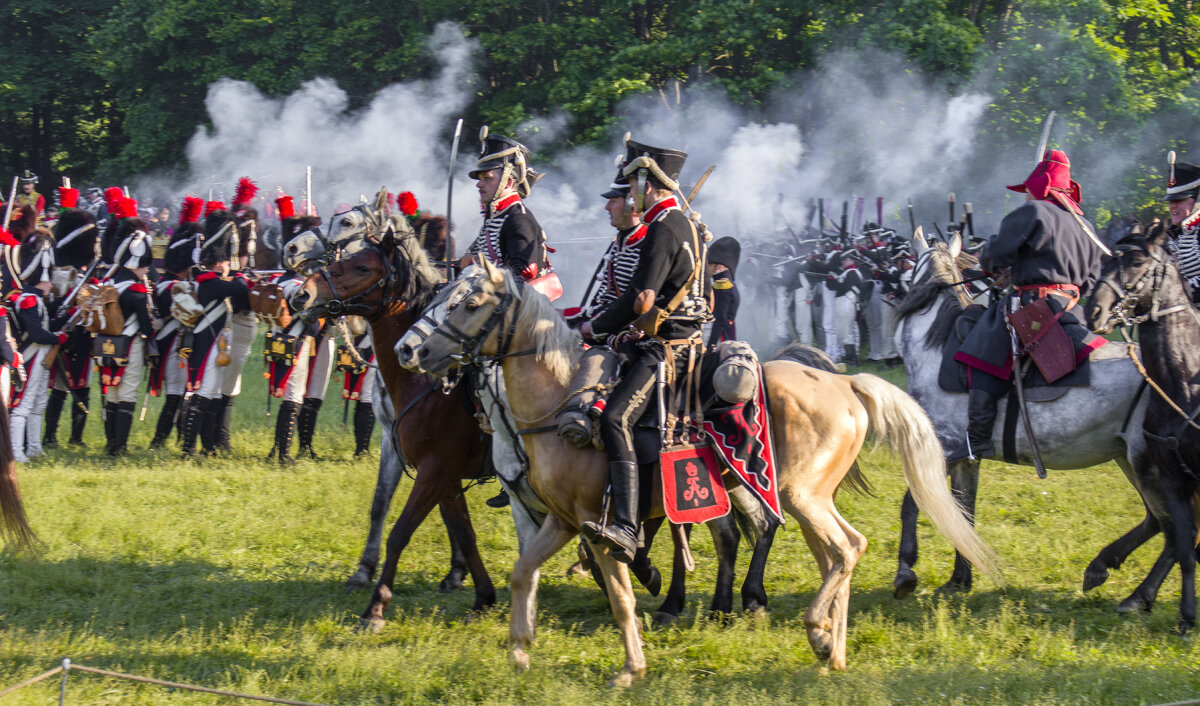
(692, 488)
(741, 435)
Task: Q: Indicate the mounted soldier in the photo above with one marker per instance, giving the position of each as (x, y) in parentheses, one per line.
(1183, 188)
(723, 257)
(1053, 257)
(667, 299)
(28, 195)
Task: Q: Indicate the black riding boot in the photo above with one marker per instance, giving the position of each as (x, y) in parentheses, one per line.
(193, 419)
(224, 421)
(210, 410)
(110, 427)
(364, 426)
(620, 535)
(50, 418)
(285, 425)
(121, 428)
(850, 355)
(981, 420)
(166, 421)
(79, 415)
(306, 426)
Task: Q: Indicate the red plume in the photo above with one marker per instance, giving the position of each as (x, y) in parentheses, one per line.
(213, 206)
(286, 206)
(408, 204)
(7, 238)
(190, 212)
(112, 195)
(126, 208)
(68, 197)
(246, 189)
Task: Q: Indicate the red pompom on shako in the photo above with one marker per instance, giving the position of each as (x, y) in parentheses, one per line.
(213, 206)
(1051, 181)
(68, 197)
(246, 189)
(7, 238)
(408, 204)
(191, 209)
(112, 195)
(126, 208)
(286, 206)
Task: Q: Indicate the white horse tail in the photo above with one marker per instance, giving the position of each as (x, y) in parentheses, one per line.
(898, 418)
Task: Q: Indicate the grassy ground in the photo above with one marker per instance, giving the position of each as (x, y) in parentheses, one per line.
(228, 573)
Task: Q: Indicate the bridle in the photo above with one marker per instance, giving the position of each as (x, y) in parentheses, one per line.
(357, 304)
(503, 318)
(1128, 298)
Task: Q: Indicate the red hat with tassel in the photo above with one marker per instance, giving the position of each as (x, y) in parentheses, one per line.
(68, 197)
(213, 206)
(286, 206)
(190, 212)
(126, 208)
(408, 205)
(246, 189)
(1051, 181)
(112, 195)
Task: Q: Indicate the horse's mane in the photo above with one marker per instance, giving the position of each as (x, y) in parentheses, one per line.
(944, 271)
(421, 279)
(557, 345)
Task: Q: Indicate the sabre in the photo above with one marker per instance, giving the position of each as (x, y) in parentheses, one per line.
(912, 219)
(308, 209)
(951, 197)
(1045, 138)
(703, 178)
(12, 196)
(661, 384)
(450, 194)
(1020, 386)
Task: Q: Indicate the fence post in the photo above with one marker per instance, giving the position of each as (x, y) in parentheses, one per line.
(62, 685)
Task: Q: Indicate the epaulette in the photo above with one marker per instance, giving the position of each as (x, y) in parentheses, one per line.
(28, 301)
(722, 284)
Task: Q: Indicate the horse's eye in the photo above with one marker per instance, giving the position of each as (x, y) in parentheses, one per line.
(364, 270)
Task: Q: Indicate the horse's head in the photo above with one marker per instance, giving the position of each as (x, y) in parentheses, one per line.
(466, 319)
(938, 268)
(1130, 281)
(306, 253)
(353, 225)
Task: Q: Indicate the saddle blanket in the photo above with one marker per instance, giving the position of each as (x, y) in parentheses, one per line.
(741, 435)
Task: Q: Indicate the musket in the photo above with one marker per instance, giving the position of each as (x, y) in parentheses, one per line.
(969, 216)
(879, 211)
(449, 252)
(951, 197)
(845, 216)
(808, 219)
(820, 215)
(858, 214)
(912, 219)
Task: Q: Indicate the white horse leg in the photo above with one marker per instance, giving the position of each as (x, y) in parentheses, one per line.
(839, 614)
(523, 584)
(624, 608)
(823, 531)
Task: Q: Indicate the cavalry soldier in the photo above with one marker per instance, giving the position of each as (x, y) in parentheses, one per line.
(124, 373)
(170, 375)
(76, 237)
(38, 334)
(221, 292)
(1183, 187)
(1052, 254)
(668, 265)
(28, 196)
(723, 257)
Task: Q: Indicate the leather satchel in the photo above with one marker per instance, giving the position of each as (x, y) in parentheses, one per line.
(1043, 339)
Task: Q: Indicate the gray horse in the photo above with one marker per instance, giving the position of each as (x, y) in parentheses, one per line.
(1084, 427)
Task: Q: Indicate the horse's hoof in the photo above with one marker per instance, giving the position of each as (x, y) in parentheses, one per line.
(453, 582)
(905, 583)
(1183, 627)
(838, 665)
(520, 659)
(623, 680)
(663, 620)
(1134, 604)
(373, 625)
(953, 586)
(360, 580)
(821, 642)
(1095, 575)
(577, 569)
(652, 582)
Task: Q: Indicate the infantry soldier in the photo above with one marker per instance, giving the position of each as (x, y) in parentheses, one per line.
(243, 325)
(843, 287)
(668, 264)
(1052, 254)
(10, 284)
(358, 383)
(1183, 187)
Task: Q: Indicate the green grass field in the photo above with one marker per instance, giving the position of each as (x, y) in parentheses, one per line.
(228, 573)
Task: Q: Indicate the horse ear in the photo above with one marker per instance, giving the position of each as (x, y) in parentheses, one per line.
(388, 241)
(955, 246)
(919, 244)
(381, 200)
(495, 276)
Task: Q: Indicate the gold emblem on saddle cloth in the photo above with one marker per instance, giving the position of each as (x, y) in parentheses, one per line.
(107, 347)
(278, 347)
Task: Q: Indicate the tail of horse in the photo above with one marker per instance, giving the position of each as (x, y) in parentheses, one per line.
(898, 419)
(14, 526)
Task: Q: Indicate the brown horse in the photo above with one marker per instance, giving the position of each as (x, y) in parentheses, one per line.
(435, 433)
(819, 422)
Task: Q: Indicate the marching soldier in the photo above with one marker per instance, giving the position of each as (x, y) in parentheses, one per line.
(1183, 187)
(1053, 254)
(243, 326)
(841, 308)
(38, 333)
(123, 372)
(669, 272)
(723, 257)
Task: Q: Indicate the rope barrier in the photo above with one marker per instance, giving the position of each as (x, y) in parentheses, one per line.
(67, 667)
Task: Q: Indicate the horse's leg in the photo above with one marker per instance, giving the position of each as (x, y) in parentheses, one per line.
(821, 643)
(458, 522)
(839, 614)
(754, 594)
(964, 484)
(725, 536)
(1143, 477)
(624, 608)
(429, 487)
(642, 568)
(1183, 527)
(672, 605)
(1143, 597)
(458, 560)
(906, 579)
(390, 471)
(826, 535)
(553, 536)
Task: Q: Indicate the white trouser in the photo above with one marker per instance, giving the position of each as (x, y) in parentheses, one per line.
(210, 376)
(131, 378)
(175, 370)
(845, 308)
(242, 330)
(297, 382)
(873, 313)
(829, 323)
(366, 393)
(322, 366)
(25, 424)
(6, 383)
(887, 325)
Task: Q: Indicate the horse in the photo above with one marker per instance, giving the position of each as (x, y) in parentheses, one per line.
(819, 422)
(434, 433)
(1085, 427)
(1141, 286)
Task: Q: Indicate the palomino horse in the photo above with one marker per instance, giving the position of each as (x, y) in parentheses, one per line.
(434, 433)
(1085, 427)
(819, 422)
(1141, 286)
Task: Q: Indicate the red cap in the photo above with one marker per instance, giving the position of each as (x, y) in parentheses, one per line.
(190, 212)
(246, 189)
(7, 238)
(408, 204)
(112, 195)
(213, 206)
(126, 208)
(287, 207)
(68, 197)
(1051, 181)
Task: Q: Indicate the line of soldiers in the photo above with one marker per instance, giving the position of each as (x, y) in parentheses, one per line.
(81, 306)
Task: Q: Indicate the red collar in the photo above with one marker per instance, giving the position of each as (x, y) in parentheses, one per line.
(206, 276)
(506, 202)
(1191, 220)
(636, 234)
(659, 209)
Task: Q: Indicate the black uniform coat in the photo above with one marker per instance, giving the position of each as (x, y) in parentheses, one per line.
(211, 288)
(726, 300)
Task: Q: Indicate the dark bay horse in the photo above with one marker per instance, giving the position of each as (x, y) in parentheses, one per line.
(1141, 286)
(434, 433)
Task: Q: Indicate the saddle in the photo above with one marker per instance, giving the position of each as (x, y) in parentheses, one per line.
(100, 310)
